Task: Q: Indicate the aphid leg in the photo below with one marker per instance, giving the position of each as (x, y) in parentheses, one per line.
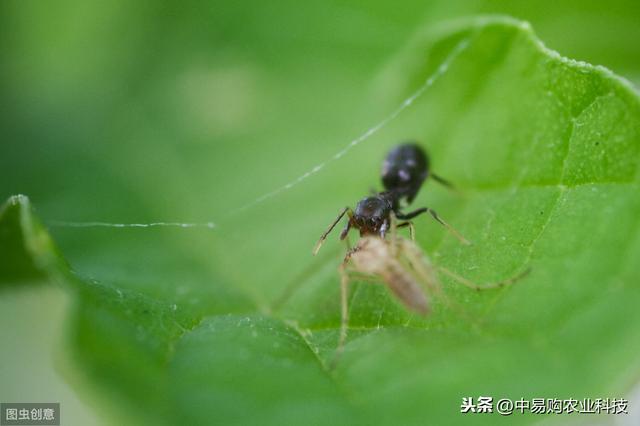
(433, 214)
(421, 265)
(412, 229)
(344, 302)
(344, 309)
(371, 279)
(472, 285)
(333, 225)
(293, 285)
(426, 273)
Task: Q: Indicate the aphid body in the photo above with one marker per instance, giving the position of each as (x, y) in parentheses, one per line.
(374, 256)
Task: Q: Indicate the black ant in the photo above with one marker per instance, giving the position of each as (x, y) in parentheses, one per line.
(398, 262)
(404, 170)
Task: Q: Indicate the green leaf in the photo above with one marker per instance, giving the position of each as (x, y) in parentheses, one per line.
(27, 252)
(242, 324)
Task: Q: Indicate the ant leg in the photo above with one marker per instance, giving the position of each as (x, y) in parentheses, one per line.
(412, 229)
(433, 214)
(328, 231)
(394, 233)
(347, 243)
(442, 181)
(383, 229)
(488, 286)
(345, 230)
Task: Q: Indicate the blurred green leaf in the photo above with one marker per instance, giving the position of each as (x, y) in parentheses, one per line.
(545, 151)
(27, 252)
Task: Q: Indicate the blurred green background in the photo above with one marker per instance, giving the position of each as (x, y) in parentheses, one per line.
(123, 111)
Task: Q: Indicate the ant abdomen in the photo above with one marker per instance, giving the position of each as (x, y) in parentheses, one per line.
(404, 169)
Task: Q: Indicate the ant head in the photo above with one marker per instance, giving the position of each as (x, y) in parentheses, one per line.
(370, 214)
